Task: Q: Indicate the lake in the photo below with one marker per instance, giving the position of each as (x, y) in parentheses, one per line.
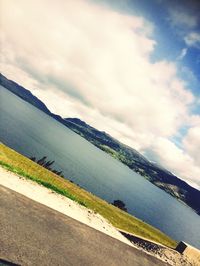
(33, 133)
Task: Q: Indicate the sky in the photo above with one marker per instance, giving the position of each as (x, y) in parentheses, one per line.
(130, 68)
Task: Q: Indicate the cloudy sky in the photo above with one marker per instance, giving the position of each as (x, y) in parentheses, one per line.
(130, 68)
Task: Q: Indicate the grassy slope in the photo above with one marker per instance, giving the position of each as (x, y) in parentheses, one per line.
(17, 163)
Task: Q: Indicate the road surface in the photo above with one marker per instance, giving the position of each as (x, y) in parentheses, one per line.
(33, 234)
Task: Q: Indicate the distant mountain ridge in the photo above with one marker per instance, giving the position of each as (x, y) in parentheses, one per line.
(156, 174)
(27, 96)
(23, 93)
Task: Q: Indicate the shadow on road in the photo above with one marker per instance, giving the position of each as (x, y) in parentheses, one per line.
(5, 262)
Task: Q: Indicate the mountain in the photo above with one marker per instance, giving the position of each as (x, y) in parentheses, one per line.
(156, 174)
(23, 93)
(27, 96)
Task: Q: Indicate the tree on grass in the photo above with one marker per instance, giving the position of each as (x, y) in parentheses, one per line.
(46, 164)
(120, 204)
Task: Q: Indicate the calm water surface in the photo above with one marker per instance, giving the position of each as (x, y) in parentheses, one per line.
(33, 133)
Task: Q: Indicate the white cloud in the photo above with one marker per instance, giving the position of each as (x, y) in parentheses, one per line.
(182, 54)
(188, 75)
(178, 160)
(191, 143)
(193, 39)
(88, 61)
(185, 22)
(181, 17)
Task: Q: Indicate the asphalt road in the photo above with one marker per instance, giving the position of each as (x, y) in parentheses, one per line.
(33, 234)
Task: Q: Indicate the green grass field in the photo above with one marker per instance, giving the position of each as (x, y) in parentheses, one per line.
(23, 166)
